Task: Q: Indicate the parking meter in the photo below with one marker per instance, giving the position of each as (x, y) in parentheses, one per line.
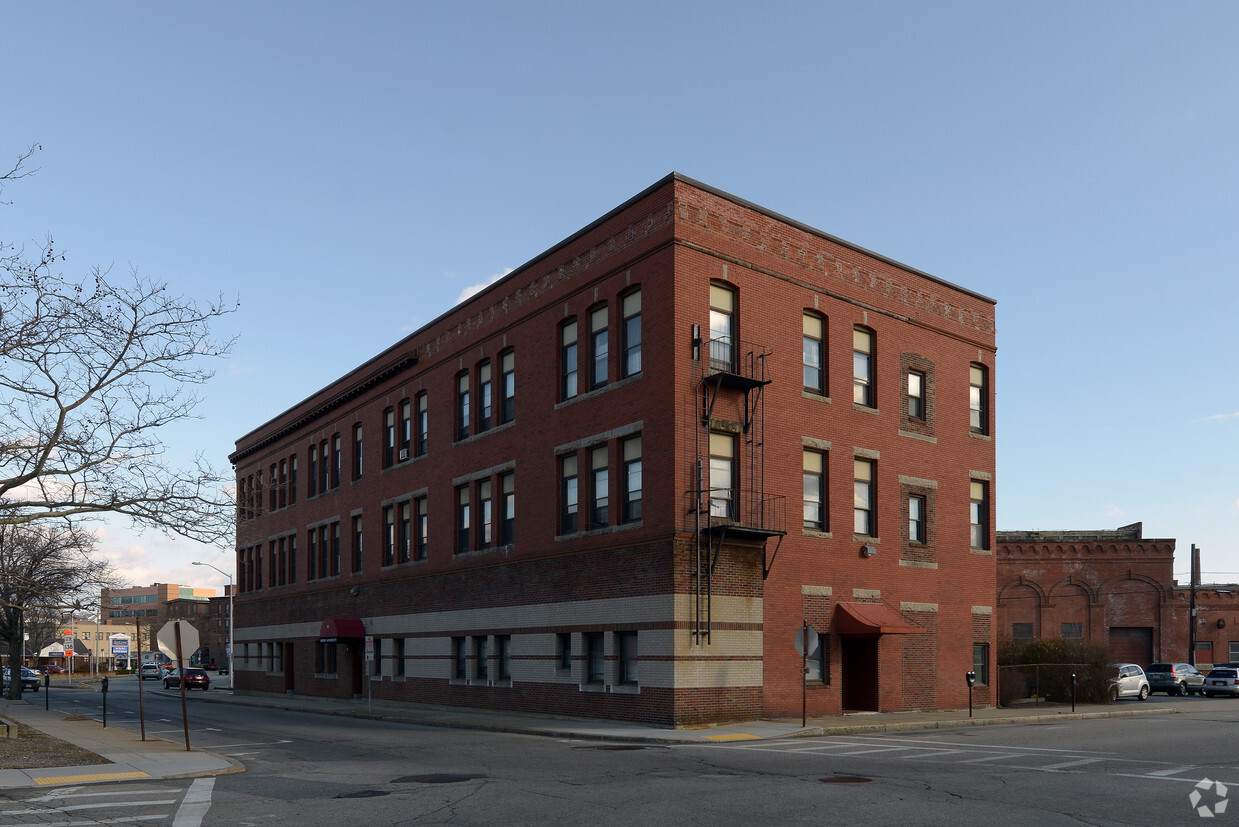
(971, 677)
(47, 692)
(105, 684)
(104, 689)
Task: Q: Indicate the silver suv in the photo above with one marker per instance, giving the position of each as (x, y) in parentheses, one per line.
(1128, 682)
(1174, 678)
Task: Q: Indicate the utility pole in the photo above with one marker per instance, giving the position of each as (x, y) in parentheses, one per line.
(1191, 632)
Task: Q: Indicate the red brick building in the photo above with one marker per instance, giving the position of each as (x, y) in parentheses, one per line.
(577, 492)
(1113, 587)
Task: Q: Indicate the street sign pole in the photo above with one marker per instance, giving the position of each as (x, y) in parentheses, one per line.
(180, 670)
(141, 702)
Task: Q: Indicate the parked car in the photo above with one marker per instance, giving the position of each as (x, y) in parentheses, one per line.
(149, 671)
(53, 669)
(193, 678)
(1175, 678)
(31, 681)
(1129, 681)
(1222, 680)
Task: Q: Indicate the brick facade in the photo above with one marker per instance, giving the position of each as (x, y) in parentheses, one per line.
(627, 581)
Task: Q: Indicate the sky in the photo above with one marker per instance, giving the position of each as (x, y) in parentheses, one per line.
(350, 171)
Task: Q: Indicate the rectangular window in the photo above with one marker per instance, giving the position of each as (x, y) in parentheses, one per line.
(567, 361)
(626, 643)
(423, 422)
(282, 565)
(313, 470)
(482, 658)
(722, 329)
(258, 567)
(486, 517)
(292, 559)
(980, 663)
(1022, 631)
(462, 519)
(404, 436)
(507, 525)
(357, 451)
(324, 469)
(563, 650)
(863, 498)
(273, 489)
(1074, 631)
(335, 549)
(916, 394)
(507, 387)
(979, 514)
(419, 528)
(405, 535)
(376, 665)
(389, 535)
(462, 406)
(398, 657)
(485, 397)
(599, 347)
(292, 480)
(722, 476)
(337, 459)
(284, 483)
(324, 551)
(325, 658)
(311, 571)
(916, 519)
(862, 367)
(357, 547)
(460, 658)
(814, 350)
(600, 478)
(814, 490)
(631, 479)
(595, 658)
(272, 563)
(630, 333)
(568, 494)
(503, 649)
(978, 394)
(389, 437)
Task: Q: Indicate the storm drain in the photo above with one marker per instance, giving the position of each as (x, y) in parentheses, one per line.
(363, 794)
(435, 778)
(846, 779)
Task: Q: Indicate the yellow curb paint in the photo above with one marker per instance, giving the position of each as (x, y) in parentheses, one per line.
(104, 776)
(739, 736)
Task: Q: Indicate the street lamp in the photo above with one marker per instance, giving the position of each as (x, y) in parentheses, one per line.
(230, 595)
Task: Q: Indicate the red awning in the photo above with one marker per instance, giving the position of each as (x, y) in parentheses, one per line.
(872, 619)
(341, 628)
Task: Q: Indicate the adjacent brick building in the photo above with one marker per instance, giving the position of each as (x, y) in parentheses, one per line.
(577, 492)
(1115, 587)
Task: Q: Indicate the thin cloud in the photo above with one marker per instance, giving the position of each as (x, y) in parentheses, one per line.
(474, 289)
(1113, 510)
(1218, 417)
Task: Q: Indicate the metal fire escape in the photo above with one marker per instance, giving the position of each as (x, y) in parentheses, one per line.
(734, 372)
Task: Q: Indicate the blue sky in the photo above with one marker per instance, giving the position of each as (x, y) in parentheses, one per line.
(349, 171)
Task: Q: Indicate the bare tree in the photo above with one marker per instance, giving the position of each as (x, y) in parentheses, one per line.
(43, 566)
(92, 372)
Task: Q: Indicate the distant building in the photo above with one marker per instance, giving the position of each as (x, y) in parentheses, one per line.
(153, 606)
(576, 492)
(1115, 587)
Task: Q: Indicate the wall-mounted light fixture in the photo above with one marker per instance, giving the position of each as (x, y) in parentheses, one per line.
(867, 550)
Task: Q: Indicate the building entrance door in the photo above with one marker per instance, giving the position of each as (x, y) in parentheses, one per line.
(860, 672)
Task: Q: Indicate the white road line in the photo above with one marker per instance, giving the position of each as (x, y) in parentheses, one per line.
(195, 804)
(935, 754)
(76, 807)
(1069, 764)
(83, 792)
(93, 822)
(1174, 771)
(870, 751)
(998, 756)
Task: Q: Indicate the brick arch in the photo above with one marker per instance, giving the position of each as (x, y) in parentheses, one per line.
(1020, 601)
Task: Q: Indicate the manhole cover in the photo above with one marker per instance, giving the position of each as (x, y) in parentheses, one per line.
(434, 778)
(363, 794)
(846, 779)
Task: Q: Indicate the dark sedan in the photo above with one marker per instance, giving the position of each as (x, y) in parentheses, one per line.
(194, 679)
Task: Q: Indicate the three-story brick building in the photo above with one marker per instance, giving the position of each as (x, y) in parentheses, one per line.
(578, 491)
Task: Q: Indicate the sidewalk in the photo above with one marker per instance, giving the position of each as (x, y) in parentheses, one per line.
(133, 758)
